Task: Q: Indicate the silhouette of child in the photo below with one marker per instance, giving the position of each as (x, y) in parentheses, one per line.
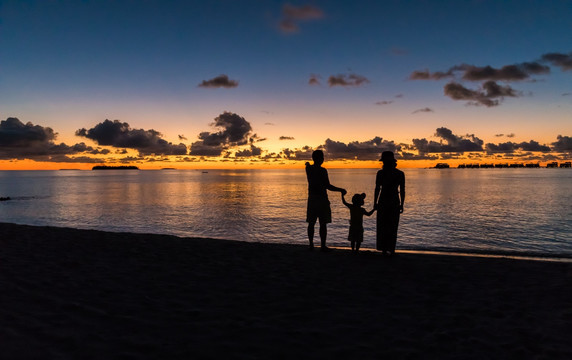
(355, 235)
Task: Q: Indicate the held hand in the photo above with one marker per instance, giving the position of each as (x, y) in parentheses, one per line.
(307, 163)
(344, 192)
(401, 209)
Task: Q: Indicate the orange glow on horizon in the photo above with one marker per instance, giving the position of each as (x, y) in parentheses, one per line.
(221, 164)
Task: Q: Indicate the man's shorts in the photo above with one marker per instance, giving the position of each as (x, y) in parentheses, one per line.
(319, 209)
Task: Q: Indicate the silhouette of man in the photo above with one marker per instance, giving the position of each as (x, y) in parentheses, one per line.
(318, 203)
(388, 202)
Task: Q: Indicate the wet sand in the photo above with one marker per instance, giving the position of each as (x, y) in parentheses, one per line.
(71, 294)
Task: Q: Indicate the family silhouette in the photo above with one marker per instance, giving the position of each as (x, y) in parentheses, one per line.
(388, 201)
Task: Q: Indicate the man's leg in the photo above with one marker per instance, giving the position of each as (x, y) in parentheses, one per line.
(323, 235)
(311, 234)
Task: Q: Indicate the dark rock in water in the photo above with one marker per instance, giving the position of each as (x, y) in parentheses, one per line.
(4, 198)
(105, 167)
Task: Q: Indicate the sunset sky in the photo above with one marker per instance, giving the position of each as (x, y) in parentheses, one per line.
(252, 83)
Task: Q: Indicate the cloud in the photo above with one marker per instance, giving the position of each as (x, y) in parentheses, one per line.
(511, 135)
(269, 124)
(182, 137)
(365, 150)
(566, 94)
(293, 15)
(253, 151)
(509, 147)
(285, 138)
(384, 102)
(426, 75)
(119, 134)
(200, 149)
(234, 130)
(347, 80)
(399, 96)
(454, 143)
(221, 81)
(314, 80)
(29, 141)
(564, 61)
(563, 143)
(515, 72)
(490, 95)
(426, 109)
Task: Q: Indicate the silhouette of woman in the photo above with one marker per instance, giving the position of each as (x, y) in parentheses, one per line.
(388, 201)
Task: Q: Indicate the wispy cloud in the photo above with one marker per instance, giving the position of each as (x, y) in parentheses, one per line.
(347, 80)
(293, 15)
(424, 110)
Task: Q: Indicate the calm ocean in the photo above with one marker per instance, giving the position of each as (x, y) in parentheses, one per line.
(526, 211)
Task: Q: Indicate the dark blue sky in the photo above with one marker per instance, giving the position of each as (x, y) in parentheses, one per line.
(72, 64)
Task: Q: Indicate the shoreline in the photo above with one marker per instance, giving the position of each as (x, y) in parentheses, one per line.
(71, 293)
(518, 255)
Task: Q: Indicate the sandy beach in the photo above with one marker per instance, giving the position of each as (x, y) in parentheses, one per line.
(79, 294)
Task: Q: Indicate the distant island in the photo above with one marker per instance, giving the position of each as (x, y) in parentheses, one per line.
(105, 167)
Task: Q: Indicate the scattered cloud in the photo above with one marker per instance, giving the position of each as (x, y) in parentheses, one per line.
(566, 94)
(314, 79)
(221, 81)
(182, 137)
(426, 75)
(563, 61)
(29, 141)
(356, 150)
(119, 134)
(293, 15)
(285, 138)
(509, 147)
(269, 124)
(491, 93)
(563, 143)
(426, 109)
(399, 96)
(233, 131)
(253, 151)
(384, 102)
(453, 143)
(515, 72)
(347, 80)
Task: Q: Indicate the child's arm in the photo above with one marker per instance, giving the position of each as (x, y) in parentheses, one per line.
(344, 201)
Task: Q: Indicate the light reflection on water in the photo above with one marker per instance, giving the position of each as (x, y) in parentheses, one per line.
(524, 210)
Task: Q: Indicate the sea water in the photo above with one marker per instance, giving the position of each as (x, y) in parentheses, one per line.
(525, 211)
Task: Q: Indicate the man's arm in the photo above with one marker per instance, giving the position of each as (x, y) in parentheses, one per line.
(368, 213)
(334, 188)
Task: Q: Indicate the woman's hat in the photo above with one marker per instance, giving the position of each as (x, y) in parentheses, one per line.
(387, 156)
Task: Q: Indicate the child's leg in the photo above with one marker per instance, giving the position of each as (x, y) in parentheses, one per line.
(357, 245)
(353, 244)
